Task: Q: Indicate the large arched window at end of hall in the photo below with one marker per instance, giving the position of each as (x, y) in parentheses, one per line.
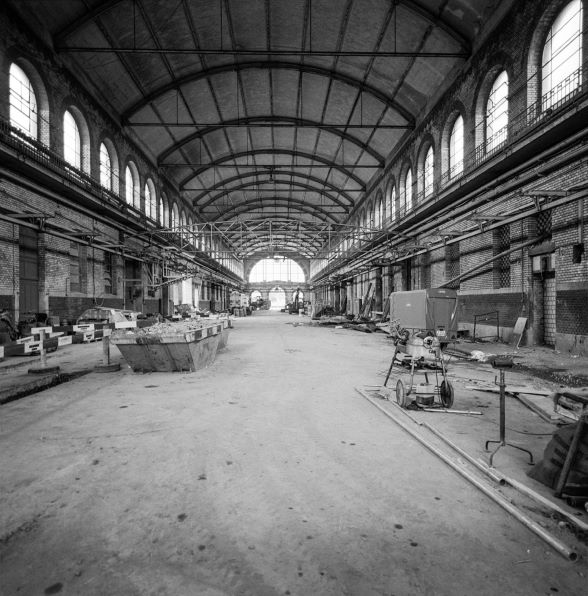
(276, 270)
(456, 148)
(23, 103)
(428, 172)
(561, 61)
(72, 141)
(497, 113)
(150, 200)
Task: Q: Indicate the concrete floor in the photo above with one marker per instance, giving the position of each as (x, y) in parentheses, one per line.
(265, 474)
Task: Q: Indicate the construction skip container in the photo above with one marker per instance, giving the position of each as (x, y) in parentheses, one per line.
(169, 347)
(433, 310)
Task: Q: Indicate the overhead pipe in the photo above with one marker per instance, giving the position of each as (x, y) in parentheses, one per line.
(488, 261)
(528, 171)
(533, 526)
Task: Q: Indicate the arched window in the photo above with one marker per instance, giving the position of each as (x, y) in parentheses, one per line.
(392, 201)
(166, 221)
(132, 186)
(150, 200)
(562, 56)
(160, 212)
(408, 191)
(105, 167)
(191, 236)
(276, 270)
(23, 102)
(72, 142)
(497, 113)
(378, 212)
(175, 216)
(456, 149)
(428, 172)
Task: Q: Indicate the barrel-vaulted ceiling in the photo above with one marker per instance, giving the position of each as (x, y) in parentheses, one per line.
(278, 110)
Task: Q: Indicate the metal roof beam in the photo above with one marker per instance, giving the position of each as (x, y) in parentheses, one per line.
(222, 162)
(209, 73)
(271, 121)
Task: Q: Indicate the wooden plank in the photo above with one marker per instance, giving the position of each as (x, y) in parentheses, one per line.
(517, 332)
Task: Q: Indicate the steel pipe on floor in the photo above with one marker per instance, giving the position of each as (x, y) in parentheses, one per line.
(556, 544)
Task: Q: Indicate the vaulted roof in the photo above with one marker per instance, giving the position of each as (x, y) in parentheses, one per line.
(266, 109)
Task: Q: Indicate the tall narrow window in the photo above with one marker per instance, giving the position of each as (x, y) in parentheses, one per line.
(150, 204)
(428, 172)
(408, 191)
(497, 113)
(378, 213)
(393, 203)
(175, 217)
(105, 168)
(132, 187)
(562, 56)
(456, 149)
(23, 102)
(72, 144)
(160, 211)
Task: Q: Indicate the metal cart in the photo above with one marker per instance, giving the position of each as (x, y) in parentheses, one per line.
(419, 357)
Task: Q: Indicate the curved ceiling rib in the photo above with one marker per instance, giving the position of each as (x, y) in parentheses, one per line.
(209, 73)
(252, 152)
(290, 184)
(296, 204)
(289, 173)
(411, 5)
(252, 121)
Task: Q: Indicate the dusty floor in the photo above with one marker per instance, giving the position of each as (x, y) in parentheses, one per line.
(265, 474)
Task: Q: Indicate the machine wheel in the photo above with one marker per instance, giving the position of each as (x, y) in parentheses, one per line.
(446, 394)
(401, 397)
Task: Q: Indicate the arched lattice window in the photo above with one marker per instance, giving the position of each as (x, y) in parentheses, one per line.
(497, 113)
(160, 212)
(378, 212)
(175, 216)
(428, 172)
(132, 194)
(408, 191)
(392, 202)
(456, 148)
(23, 102)
(105, 167)
(72, 142)
(150, 200)
(276, 270)
(561, 72)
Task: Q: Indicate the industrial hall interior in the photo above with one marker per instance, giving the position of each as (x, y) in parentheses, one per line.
(293, 297)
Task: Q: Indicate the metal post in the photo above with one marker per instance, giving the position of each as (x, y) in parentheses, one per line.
(502, 442)
(42, 342)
